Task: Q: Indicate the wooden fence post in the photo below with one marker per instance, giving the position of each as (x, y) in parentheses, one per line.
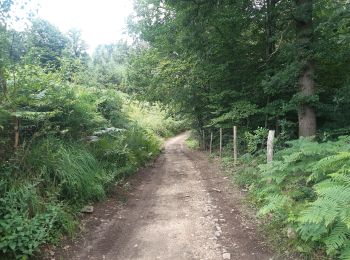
(16, 128)
(220, 141)
(270, 138)
(235, 145)
(211, 141)
(203, 139)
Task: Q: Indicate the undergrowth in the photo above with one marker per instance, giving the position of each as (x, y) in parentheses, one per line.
(303, 196)
(154, 118)
(192, 141)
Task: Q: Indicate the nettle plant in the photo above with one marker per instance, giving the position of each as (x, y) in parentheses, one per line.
(307, 190)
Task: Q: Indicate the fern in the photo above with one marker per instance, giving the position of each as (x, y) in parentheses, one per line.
(312, 231)
(345, 253)
(274, 203)
(337, 238)
(307, 187)
(331, 208)
(329, 163)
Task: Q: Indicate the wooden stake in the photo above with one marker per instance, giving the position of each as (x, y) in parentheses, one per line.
(211, 141)
(220, 142)
(16, 128)
(270, 138)
(235, 145)
(203, 137)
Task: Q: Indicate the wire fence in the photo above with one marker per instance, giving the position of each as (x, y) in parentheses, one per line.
(206, 142)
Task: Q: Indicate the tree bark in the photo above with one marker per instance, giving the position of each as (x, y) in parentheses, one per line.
(306, 84)
(270, 27)
(306, 113)
(270, 32)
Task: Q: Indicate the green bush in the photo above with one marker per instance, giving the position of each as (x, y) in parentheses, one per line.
(255, 140)
(27, 220)
(111, 151)
(142, 144)
(305, 192)
(154, 118)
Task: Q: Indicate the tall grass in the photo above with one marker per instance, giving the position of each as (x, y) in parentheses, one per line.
(154, 118)
(80, 175)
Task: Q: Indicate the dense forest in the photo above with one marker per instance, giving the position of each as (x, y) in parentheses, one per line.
(273, 64)
(74, 124)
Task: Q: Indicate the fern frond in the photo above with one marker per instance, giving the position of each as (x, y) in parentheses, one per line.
(274, 203)
(339, 194)
(320, 211)
(330, 163)
(337, 238)
(312, 231)
(345, 252)
(291, 158)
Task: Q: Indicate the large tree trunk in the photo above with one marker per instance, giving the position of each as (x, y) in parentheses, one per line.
(270, 31)
(270, 27)
(304, 35)
(306, 113)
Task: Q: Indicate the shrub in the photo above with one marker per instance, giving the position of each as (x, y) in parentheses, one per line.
(27, 221)
(154, 118)
(305, 191)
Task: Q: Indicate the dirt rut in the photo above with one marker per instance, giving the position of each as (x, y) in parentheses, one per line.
(181, 207)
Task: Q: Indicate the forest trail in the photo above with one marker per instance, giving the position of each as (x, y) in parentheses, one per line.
(182, 207)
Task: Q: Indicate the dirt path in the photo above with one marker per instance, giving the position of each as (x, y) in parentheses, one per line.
(180, 208)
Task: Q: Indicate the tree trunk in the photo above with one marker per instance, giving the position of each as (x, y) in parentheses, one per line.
(306, 113)
(270, 32)
(270, 27)
(306, 84)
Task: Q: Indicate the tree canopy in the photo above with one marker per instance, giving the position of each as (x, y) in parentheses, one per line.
(252, 63)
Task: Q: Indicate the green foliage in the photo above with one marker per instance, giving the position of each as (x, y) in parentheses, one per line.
(255, 140)
(79, 175)
(109, 65)
(305, 190)
(240, 110)
(27, 221)
(45, 44)
(215, 63)
(154, 118)
(239, 62)
(192, 141)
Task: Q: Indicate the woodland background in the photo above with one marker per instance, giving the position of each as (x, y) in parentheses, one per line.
(71, 124)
